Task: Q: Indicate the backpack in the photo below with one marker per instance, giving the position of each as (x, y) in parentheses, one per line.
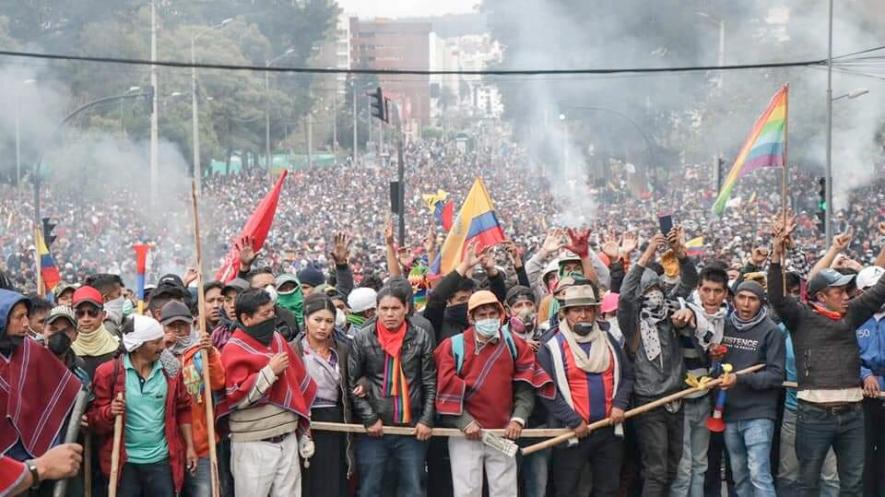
(458, 348)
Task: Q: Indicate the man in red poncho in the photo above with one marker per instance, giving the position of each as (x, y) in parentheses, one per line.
(269, 396)
(486, 379)
(37, 391)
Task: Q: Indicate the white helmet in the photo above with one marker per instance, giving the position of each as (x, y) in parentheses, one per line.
(868, 277)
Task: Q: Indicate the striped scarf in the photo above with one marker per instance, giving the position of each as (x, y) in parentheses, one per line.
(396, 385)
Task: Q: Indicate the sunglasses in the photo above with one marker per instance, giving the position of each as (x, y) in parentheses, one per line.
(93, 313)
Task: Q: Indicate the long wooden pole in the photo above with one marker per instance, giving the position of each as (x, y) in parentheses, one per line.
(784, 181)
(115, 452)
(204, 355)
(437, 432)
(71, 433)
(87, 464)
(634, 412)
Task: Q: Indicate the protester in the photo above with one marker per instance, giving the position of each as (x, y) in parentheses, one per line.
(871, 339)
(396, 359)
(157, 444)
(94, 344)
(269, 395)
(290, 296)
(212, 303)
(752, 399)
(594, 381)
(228, 318)
(59, 333)
(37, 391)
(486, 379)
(828, 363)
(38, 310)
(362, 304)
(325, 356)
(645, 315)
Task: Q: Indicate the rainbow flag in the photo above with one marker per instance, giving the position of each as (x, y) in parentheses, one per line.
(765, 147)
(475, 221)
(48, 270)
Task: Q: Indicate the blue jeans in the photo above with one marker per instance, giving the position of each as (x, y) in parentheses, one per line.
(405, 455)
(534, 469)
(788, 471)
(198, 484)
(696, 441)
(818, 429)
(749, 448)
(146, 480)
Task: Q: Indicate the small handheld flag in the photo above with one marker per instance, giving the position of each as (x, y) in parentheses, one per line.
(141, 250)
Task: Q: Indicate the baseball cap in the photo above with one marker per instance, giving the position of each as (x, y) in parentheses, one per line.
(828, 278)
(238, 284)
(869, 276)
(64, 287)
(62, 312)
(88, 294)
(362, 299)
(174, 311)
(170, 279)
(519, 292)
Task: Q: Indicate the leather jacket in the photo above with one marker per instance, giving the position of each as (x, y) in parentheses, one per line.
(366, 361)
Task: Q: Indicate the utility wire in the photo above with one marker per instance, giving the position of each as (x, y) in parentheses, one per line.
(412, 72)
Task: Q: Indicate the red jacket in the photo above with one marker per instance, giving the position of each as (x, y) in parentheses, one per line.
(110, 378)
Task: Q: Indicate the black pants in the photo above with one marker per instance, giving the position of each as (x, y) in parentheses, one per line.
(874, 465)
(327, 474)
(603, 450)
(660, 446)
(146, 480)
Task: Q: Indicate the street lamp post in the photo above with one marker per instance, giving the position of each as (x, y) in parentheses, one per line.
(155, 122)
(18, 151)
(267, 64)
(195, 114)
(828, 213)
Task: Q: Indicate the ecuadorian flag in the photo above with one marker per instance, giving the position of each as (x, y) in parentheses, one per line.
(475, 221)
(48, 270)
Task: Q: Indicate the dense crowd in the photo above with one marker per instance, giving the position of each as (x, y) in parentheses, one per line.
(333, 360)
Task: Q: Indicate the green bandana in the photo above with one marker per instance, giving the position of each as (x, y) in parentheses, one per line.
(293, 302)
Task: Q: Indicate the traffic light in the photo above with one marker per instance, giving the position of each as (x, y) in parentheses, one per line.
(379, 105)
(822, 205)
(48, 226)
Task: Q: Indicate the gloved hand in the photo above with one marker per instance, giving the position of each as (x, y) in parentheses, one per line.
(306, 449)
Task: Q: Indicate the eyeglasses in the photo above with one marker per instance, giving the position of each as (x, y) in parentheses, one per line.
(93, 313)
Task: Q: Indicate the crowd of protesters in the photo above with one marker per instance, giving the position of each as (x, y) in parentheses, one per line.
(333, 326)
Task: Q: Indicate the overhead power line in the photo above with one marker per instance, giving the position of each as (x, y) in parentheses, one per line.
(411, 72)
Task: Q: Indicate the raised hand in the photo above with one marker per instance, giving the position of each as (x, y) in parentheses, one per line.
(487, 260)
(388, 234)
(430, 242)
(843, 240)
(676, 239)
(247, 253)
(470, 258)
(579, 242)
(342, 248)
(513, 252)
(629, 242)
(553, 242)
(610, 245)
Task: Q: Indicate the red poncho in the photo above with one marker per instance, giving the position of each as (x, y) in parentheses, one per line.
(12, 473)
(486, 380)
(243, 357)
(37, 392)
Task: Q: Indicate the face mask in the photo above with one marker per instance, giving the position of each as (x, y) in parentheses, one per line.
(182, 344)
(263, 331)
(487, 328)
(457, 313)
(128, 308)
(654, 299)
(340, 319)
(114, 308)
(59, 344)
(272, 292)
(584, 328)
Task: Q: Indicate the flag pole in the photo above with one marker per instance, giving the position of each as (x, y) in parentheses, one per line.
(784, 177)
(204, 355)
(38, 273)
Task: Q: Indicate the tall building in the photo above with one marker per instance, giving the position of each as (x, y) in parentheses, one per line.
(391, 44)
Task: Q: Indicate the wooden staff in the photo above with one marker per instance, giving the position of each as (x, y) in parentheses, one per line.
(634, 412)
(784, 183)
(71, 433)
(115, 452)
(204, 355)
(437, 432)
(87, 465)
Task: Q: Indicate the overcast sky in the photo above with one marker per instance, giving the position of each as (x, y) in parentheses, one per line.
(405, 8)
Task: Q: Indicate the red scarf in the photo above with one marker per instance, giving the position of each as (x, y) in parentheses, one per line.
(243, 357)
(37, 392)
(391, 340)
(823, 311)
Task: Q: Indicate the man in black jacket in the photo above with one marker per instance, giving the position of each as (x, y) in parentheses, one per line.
(447, 304)
(395, 361)
(830, 412)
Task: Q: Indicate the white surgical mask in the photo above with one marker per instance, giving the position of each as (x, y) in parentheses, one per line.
(114, 308)
(340, 319)
(487, 328)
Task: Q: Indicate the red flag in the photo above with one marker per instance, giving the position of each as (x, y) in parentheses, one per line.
(256, 227)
